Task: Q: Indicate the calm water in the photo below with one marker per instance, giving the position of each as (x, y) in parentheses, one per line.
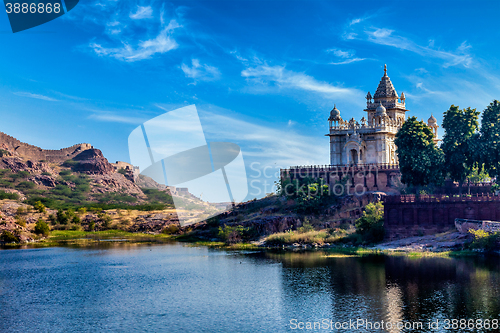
(176, 288)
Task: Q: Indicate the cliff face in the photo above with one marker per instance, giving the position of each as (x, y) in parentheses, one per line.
(43, 167)
(92, 162)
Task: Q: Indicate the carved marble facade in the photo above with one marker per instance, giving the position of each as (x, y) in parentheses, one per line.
(372, 139)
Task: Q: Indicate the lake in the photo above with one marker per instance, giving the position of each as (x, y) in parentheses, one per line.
(178, 288)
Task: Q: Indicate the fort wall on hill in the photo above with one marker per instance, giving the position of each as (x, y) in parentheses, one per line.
(36, 153)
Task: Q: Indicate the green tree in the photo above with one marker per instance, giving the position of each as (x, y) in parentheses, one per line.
(370, 226)
(42, 228)
(420, 161)
(489, 148)
(458, 142)
(9, 237)
(39, 206)
(478, 174)
(62, 217)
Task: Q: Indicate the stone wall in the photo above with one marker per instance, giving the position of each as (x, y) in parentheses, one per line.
(347, 180)
(36, 153)
(407, 215)
(464, 225)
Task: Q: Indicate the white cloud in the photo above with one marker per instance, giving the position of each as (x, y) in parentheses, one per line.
(284, 78)
(114, 118)
(131, 31)
(36, 96)
(162, 43)
(142, 13)
(388, 37)
(199, 71)
(346, 57)
(341, 54)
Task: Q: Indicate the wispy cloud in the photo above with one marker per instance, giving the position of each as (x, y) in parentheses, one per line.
(268, 145)
(198, 71)
(142, 13)
(162, 43)
(280, 76)
(36, 96)
(383, 36)
(389, 37)
(131, 31)
(345, 57)
(115, 118)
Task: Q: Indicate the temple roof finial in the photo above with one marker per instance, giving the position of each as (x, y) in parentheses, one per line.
(385, 70)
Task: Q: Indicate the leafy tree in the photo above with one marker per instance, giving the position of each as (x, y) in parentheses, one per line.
(459, 142)
(233, 235)
(9, 237)
(42, 228)
(420, 161)
(39, 206)
(478, 174)
(370, 226)
(489, 150)
(62, 217)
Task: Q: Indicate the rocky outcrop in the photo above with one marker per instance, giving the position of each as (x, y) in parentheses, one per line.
(92, 162)
(44, 180)
(115, 182)
(266, 225)
(154, 223)
(17, 164)
(350, 208)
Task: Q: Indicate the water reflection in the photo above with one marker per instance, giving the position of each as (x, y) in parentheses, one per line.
(176, 288)
(389, 289)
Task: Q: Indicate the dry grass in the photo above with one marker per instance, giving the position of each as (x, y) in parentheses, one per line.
(309, 237)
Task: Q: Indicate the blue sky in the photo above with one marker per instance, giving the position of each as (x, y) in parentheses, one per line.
(263, 74)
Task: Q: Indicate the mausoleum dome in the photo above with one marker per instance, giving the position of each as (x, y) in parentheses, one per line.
(380, 111)
(432, 121)
(335, 113)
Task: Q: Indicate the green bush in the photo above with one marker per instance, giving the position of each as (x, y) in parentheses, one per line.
(11, 196)
(122, 171)
(484, 240)
(157, 196)
(371, 225)
(19, 175)
(9, 237)
(24, 185)
(65, 173)
(233, 235)
(91, 226)
(62, 217)
(39, 206)
(170, 229)
(76, 219)
(42, 228)
(70, 163)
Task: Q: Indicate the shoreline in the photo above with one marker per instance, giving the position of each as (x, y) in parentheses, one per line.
(84, 238)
